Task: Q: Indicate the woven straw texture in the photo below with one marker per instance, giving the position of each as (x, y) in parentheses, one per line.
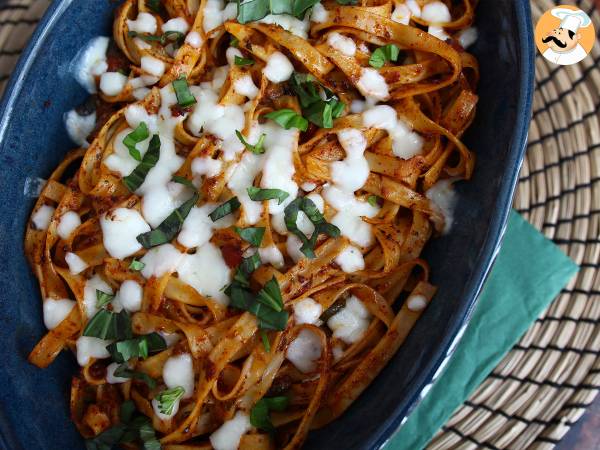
(545, 382)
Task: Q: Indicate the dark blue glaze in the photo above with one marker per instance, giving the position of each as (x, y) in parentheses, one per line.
(34, 402)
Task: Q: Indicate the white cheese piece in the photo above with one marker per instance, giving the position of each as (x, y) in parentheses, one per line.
(55, 311)
(68, 223)
(347, 202)
(438, 32)
(289, 23)
(414, 7)
(120, 160)
(405, 142)
(216, 12)
(467, 37)
(436, 12)
(337, 352)
(354, 228)
(228, 435)
(350, 323)
(129, 296)
(342, 44)
(198, 226)
(160, 260)
(351, 173)
(372, 84)
(308, 186)
(206, 166)
(91, 347)
(110, 374)
(243, 177)
(416, 302)
(112, 83)
(144, 23)
(179, 371)
(443, 196)
(271, 255)
(79, 127)
(160, 415)
(231, 53)
(170, 338)
(141, 44)
(307, 311)
(135, 114)
(140, 93)
(75, 263)
(350, 259)
(278, 68)
(91, 62)
(178, 24)
(209, 283)
(292, 246)
(357, 106)
(401, 14)
(160, 201)
(42, 216)
(120, 229)
(153, 66)
(194, 39)
(89, 294)
(304, 351)
(319, 14)
(244, 85)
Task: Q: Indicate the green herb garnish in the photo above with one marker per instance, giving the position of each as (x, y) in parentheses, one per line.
(252, 10)
(347, 2)
(124, 371)
(153, 5)
(103, 298)
(259, 415)
(136, 178)
(384, 54)
(259, 194)
(265, 340)
(373, 200)
(239, 61)
(138, 347)
(135, 137)
(174, 37)
(225, 209)
(257, 148)
(167, 399)
(253, 235)
(182, 91)
(136, 265)
(319, 104)
(288, 118)
(109, 325)
(184, 181)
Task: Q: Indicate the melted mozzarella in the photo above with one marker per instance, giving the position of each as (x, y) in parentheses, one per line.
(319, 14)
(416, 302)
(144, 23)
(178, 24)
(307, 311)
(198, 226)
(436, 12)
(89, 294)
(79, 127)
(351, 322)
(342, 44)
(120, 160)
(120, 229)
(243, 177)
(354, 228)
(42, 216)
(112, 83)
(75, 263)
(245, 86)
(91, 347)
(170, 338)
(160, 201)
(292, 247)
(110, 374)
(209, 283)
(231, 53)
(405, 142)
(271, 255)
(350, 259)
(357, 106)
(346, 201)
(160, 260)
(179, 371)
(67, 223)
(308, 186)
(160, 415)
(228, 435)
(153, 66)
(443, 196)
(401, 14)
(304, 351)
(467, 37)
(289, 23)
(414, 7)
(206, 166)
(372, 85)
(55, 311)
(194, 39)
(129, 296)
(278, 68)
(91, 62)
(216, 12)
(351, 173)
(438, 32)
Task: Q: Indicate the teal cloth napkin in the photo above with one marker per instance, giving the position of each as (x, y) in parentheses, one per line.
(528, 274)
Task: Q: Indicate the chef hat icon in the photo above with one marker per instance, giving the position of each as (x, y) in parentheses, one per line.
(570, 19)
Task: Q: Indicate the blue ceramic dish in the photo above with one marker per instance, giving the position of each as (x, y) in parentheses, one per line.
(34, 403)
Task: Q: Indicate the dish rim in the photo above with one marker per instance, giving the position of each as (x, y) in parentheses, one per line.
(496, 230)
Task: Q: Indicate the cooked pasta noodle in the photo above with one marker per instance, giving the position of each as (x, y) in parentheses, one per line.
(237, 255)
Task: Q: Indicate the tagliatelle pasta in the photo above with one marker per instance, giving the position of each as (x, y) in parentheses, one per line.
(233, 254)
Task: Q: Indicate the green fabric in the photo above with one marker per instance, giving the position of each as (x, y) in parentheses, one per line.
(528, 274)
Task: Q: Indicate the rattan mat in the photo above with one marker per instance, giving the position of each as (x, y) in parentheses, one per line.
(545, 382)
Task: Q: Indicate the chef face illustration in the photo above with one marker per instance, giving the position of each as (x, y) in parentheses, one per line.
(561, 43)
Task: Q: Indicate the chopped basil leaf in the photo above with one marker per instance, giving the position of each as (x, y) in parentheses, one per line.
(139, 347)
(347, 2)
(235, 42)
(225, 209)
(259, 415)
(337, 306)
(253, 235)
(126, 411)
(109, 325)
(174, 37)
(268, 318)
(153, 5)
(136, 265)
(288, 118)
(314, 215)
(270, 295)
(373, 200)
(319, 104)
(166, 399)
(245, 269)
(257, 148)
(184, 181)
(169, 227)
(182, 91)
(239, 61)
(135, 137)
(103, 298)
(124, 371)
(265, 340)
(107, 439)
(384, 54)
(136, 178)
(252, 10)
(259, 194)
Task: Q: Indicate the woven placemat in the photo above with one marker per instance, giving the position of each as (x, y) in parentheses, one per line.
(545, 383)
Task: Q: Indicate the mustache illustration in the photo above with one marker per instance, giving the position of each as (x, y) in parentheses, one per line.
(556, 41)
